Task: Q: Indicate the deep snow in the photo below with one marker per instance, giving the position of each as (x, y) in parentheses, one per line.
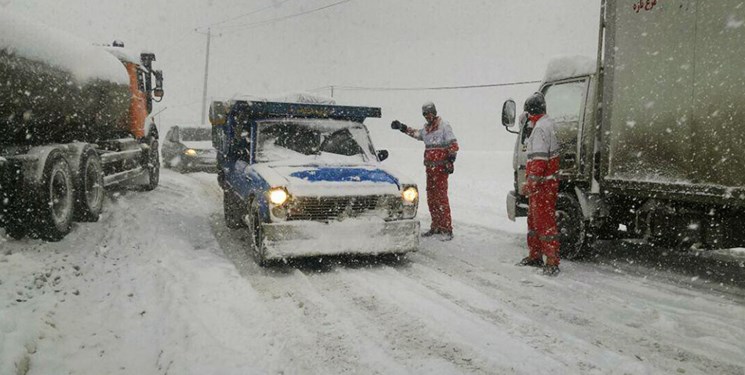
(159, 285)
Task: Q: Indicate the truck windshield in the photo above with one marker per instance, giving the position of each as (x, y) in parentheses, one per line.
(196, 134)
(319, 141)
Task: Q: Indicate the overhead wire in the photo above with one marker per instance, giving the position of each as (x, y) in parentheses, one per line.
(242, 15)
(434, 88)
(283, 18)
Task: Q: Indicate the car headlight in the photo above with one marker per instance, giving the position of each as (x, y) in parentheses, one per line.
(190, 152)
(278, 195)
(410, 194)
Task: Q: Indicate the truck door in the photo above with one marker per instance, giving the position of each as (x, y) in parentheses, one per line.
(565, 103)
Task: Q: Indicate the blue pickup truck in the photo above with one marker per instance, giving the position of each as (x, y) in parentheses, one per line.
(306, 181)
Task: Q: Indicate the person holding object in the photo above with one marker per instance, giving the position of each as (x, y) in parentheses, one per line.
(440, 151)
(542, 187)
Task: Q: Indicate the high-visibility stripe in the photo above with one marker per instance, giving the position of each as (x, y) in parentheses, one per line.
(543, 155)
(434, 163)
(539, 154)
(542, 178)
(531, 233)
(549, 238)
(441, 145)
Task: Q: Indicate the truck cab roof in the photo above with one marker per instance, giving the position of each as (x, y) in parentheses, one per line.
(567, 67)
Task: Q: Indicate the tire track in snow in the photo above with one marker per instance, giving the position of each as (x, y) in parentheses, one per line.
(547, 303)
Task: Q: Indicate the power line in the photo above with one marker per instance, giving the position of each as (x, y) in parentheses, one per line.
(262, 23)
(363, 88)
(242, 15)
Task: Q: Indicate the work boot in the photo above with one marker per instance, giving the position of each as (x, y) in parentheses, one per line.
(551, 270)
(430, 233)
(528, 261)
(446, 236)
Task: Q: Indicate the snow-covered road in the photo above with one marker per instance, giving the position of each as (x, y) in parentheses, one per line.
(159, 285)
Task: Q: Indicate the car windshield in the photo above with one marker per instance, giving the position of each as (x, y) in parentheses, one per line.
(325, 141)
(195, 134)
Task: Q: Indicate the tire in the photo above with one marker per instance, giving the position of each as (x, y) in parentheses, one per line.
(55, 201)
(16, 229)
(233, 209)
(257, 234)
(572, 226)
(153, 167)
(13, 218)
(89, 189)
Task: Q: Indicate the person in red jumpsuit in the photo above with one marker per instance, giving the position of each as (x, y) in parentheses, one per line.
(440, 150)
(542, 187)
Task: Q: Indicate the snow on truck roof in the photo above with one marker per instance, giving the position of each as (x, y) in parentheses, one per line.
(565, 67)
(124, 54)
(37, 42)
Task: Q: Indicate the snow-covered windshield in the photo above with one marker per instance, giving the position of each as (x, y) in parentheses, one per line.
(313, 141)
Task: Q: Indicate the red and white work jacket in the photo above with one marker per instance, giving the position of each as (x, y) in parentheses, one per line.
(439, 142)
(543, 151)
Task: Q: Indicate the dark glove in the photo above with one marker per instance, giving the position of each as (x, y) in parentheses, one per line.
(449, 167)
(451, 158)
(399, 126)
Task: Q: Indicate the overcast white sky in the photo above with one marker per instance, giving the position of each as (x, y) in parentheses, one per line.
(381, 43)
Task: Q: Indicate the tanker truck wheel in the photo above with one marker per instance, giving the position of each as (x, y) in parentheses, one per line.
(153, 167)
(572, 227)
(55, 204)
(89, 187)
(16, 228)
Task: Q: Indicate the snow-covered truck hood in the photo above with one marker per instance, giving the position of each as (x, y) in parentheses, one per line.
(315, 180)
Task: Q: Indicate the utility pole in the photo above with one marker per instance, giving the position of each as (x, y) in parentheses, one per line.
(206, 73)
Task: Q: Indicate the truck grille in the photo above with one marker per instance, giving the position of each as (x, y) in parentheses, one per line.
(335, 208)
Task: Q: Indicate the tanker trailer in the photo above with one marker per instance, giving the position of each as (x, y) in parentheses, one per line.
(72, 122)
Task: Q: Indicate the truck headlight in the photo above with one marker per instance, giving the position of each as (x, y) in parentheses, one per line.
(410, 194)
(410, 201)
(278, 195)
(190, 152)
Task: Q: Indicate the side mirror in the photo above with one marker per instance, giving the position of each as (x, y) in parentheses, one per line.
(509, 111)
(382, 155)
(158, 90)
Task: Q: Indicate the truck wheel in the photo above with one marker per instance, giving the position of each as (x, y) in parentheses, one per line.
(257, 234)
(89, 189)
(153, 167)
(55, 202)
(16, 229)
(572, 227)
(232, 206)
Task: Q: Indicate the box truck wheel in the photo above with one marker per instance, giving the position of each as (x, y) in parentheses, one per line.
(55, 201)
(257, 233)
(89, 187)
(572, 227)
(233, 208)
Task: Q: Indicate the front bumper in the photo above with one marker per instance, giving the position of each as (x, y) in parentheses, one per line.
(352, 236)
(517, 206)
(198, 163)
